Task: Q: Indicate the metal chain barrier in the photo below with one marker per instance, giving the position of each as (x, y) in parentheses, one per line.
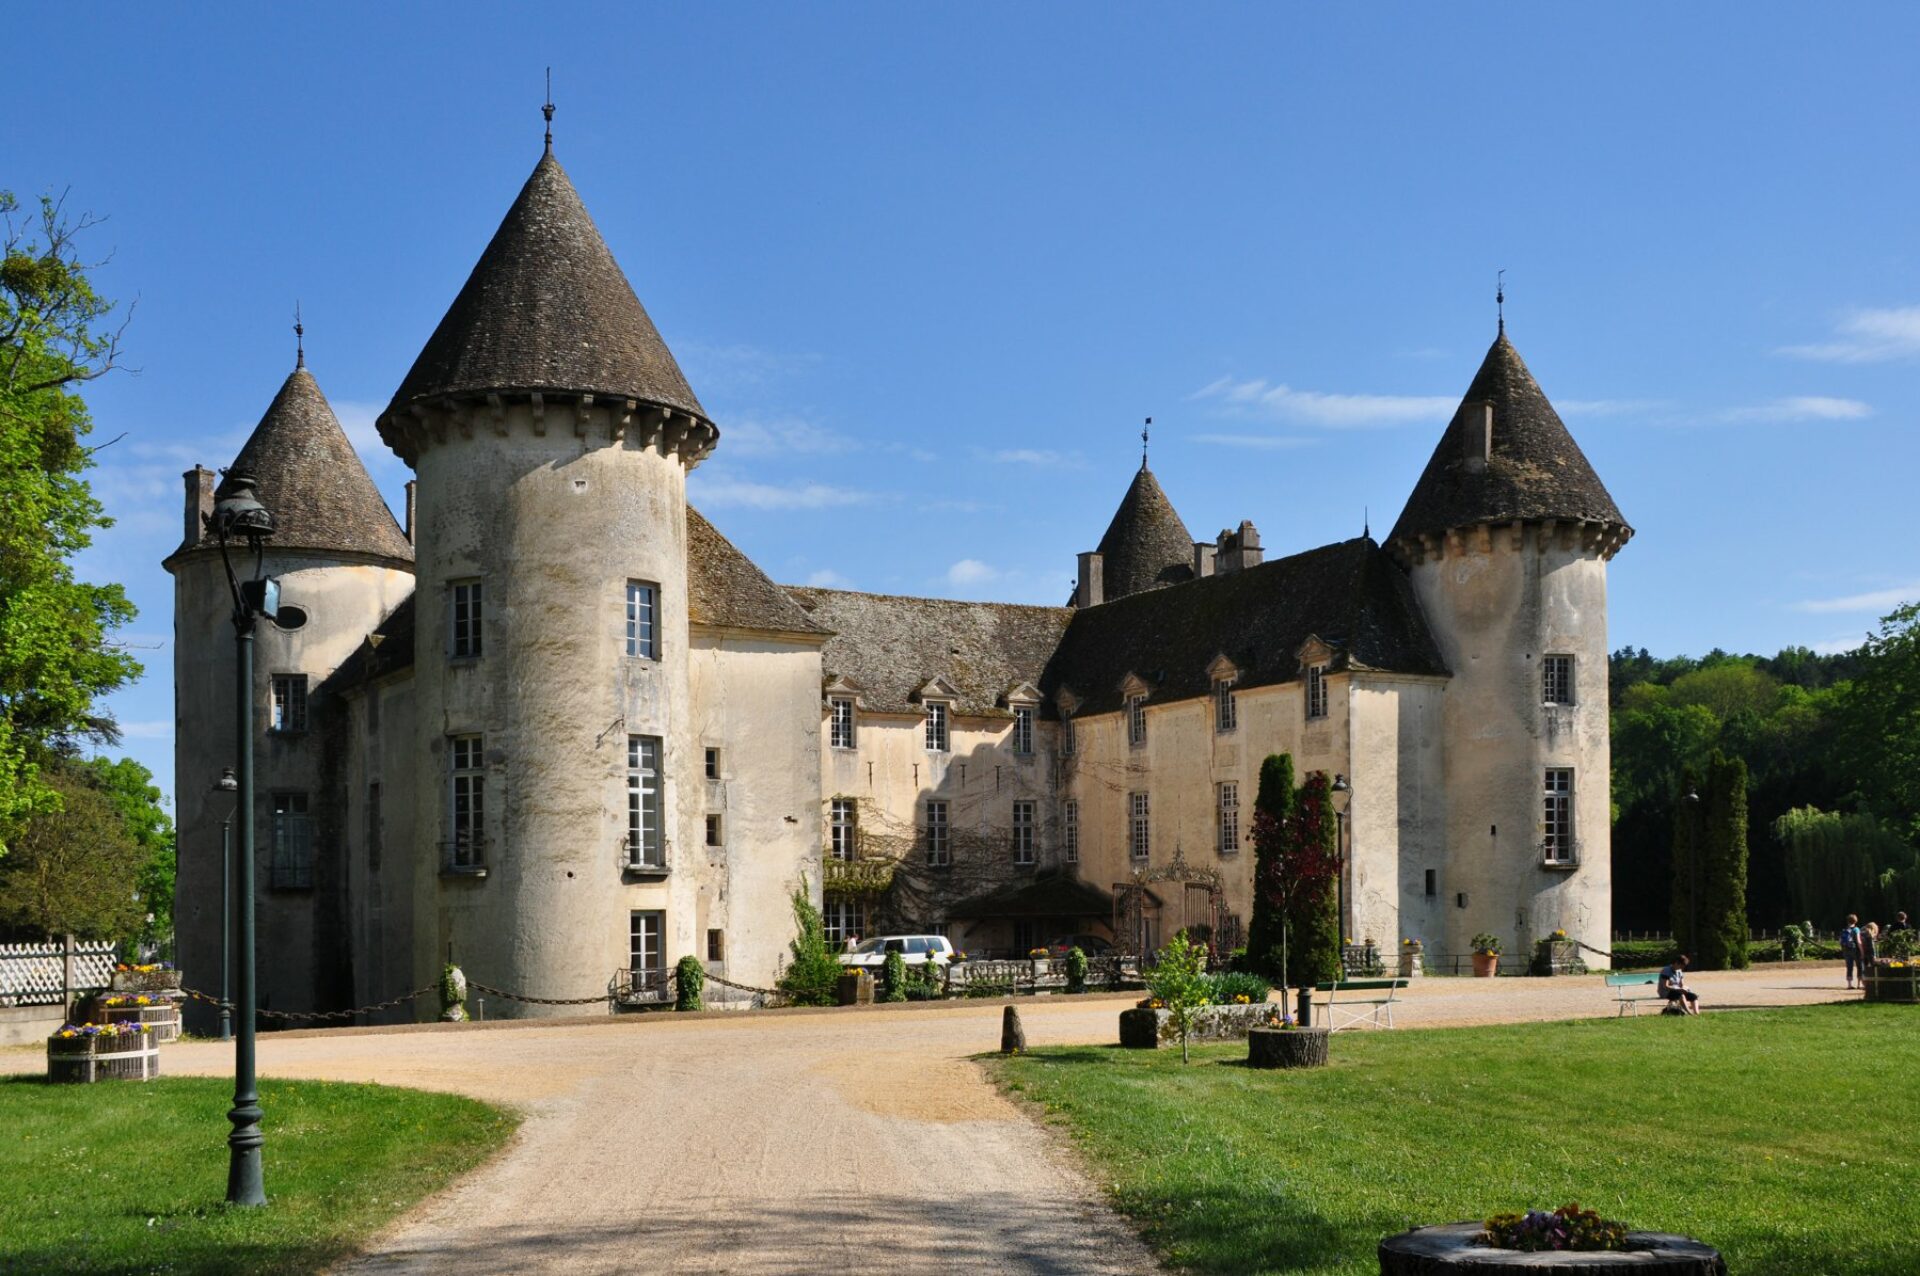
(314, 1016)
(537, 1001)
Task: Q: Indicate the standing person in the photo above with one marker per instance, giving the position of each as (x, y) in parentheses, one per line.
(1673, 986)
(1850, 946)
(1869, 938)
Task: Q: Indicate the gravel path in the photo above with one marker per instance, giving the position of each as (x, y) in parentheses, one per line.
(801, 1141)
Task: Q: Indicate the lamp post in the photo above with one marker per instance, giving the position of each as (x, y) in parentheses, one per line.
(238, 514)
(1693, 869)
(1342, 785)
(229, 785)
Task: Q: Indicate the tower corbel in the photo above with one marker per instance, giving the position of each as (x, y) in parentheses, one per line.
(539, 414)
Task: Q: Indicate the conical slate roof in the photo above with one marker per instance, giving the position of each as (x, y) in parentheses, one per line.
(1146, 545)
(1535, 471)
(311, 480)
(547, 309)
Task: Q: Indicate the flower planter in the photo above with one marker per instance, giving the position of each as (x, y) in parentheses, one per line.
(108, 1056)
(162, 1019)
(1557, 957)
(146, 980)
(1486, 965)
(1893, 983)
(1451, 1248)
(1411, 966)
(855, 988)
(1140, 1029)
(1287, 1048)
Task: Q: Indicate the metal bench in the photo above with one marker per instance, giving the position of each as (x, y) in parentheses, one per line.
(1374, 1011)
(1628, 999)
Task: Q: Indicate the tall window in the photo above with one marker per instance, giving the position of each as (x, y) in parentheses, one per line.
(292, 829)
(1023, 832)
(643, 627)
(463, 619)
(1136, 719)
(1069, 738)
(1556, 677)
(289, 702)
(646, 845)
(467, 781)
(1317, 691)
(716, 945)
(843, 828)
(714, 831)
(713, 764)
(844, 917)
(646, 948)
(1139, 828)
(1023, 728)
(939, 833)
(840, 735)
(1557, 845)
(375, 835)
(1226, 714)
(1227, 800)
(1070, 830)
(936, 726)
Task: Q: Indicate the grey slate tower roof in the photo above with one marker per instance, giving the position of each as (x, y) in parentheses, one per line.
(1146, 545)
(1535, 471)
(547, 309)
(725, 589)
(311, 480)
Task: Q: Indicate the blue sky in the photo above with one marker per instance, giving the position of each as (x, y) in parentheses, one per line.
(930, 266)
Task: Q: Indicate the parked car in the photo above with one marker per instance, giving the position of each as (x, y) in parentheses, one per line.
(915, 950)
(1091, 945)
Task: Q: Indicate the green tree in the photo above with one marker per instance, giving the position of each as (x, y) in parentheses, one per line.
(129, 787)
(1724, 931)
(1313, 919)
(1178, 981)
(55, 658)
(1881, 715)
(74, 867)
(1839, 863)
(814, 976)
(1273, 812)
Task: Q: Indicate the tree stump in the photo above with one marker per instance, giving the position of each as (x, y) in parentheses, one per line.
(1287, 1048)
(1013, 1038)
(1449, 1250)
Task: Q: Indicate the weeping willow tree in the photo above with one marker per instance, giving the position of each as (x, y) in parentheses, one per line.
(1840, 863)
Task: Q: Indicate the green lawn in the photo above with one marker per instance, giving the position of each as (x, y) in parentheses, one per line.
(1787, 1138)
(130, 1176)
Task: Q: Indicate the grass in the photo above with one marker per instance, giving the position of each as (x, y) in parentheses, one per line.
(1782, 1137)
(130, 1176)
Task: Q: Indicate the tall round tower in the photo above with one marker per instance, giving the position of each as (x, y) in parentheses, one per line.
(343, 565)
(1507, 537)
(552, 433)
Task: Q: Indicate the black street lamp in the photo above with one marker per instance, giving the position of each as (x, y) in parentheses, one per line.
(1342, 785)
(227, 784)
(1693, 856)
(238, 515)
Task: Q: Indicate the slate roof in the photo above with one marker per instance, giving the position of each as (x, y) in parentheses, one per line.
(547, 308)
(312, 482)
(724, 588)
(1536, 470)
(1351, 595)
(1146, 545)
(891, 646)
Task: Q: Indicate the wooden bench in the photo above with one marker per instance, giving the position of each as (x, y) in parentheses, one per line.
(1375, 1011)
(1626, 992)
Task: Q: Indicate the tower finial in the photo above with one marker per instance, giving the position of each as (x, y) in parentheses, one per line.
(1366, 523)
(547, 110)
(299, 338)
(1500, 299)
(1143, 442)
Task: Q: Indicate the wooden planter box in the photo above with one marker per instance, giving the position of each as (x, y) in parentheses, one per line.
(1287, 1048)
(855, 988)
(1450, 1248)
(146, 980)
(128, 1057)
(161, 1019)
(1899, 985)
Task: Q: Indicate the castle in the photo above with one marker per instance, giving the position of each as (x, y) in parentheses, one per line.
(555, 725)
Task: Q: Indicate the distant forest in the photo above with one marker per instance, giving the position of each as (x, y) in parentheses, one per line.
(1831, 743)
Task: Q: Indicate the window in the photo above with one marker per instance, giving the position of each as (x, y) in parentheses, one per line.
(1136, 719)
(1139, 831)
(713, 831)
(1023, 729)
(373, 827)
(841, 733)
(646, 949)
(716, 945)
(289, 702)
(646, 847)
(936, 726)
(1556, 676)
(1226, 714)
(463, 619)
(1068, 737)
(843, 917)
(1433, 882)
(1557, 845)
(1317, 691)
(468, 801)
(1070, 830)
(1023, 832)
(292, 829)
(1227, 800)
(643, 619)
(843, 828)
(939, 834)
(713, 764)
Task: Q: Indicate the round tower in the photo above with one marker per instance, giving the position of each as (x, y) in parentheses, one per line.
(1507, 537)
(343, 564)
(552, 433)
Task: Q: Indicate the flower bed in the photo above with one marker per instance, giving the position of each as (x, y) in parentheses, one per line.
(157, 1012)
(1141, 1027)
(158, 977)
(1460, 1248)
(102, 1052)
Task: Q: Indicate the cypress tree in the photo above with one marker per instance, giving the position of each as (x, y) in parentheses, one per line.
(1724, 932)
(1687, 872)
(1274, 802)
(1314, 916)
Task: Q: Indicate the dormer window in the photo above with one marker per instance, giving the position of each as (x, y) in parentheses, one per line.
(1226, 714)
(937, 734)
(1137, 719)
(1023, 729)
(1316, 692)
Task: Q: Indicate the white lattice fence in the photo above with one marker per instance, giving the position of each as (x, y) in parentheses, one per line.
(35, 974)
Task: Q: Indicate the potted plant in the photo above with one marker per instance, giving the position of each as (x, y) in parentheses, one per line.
(1486, 955)
(1410, 950)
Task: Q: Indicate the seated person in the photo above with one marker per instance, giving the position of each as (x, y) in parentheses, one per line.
(1673, 986)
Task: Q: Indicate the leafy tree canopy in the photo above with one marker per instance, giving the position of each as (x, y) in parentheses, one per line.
(1882, 710)
(74, 867)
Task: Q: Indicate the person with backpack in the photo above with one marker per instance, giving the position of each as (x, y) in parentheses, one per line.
(1850, 948)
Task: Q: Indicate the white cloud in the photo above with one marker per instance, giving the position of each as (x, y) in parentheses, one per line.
(971, 571)
(1802, 407)
(1879, 600)
(1837, 646)
(357, 418)
(1605, 407)
(731, 368)
(1265, 442)
(740, 494)
(161, 730)
(782, 436)
(1868, 336)
(1034, 457)
(1333, 411)
(827, 578)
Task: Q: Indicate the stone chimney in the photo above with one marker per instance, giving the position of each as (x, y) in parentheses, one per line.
(1238, 550)
(1092, 591)
(1476, 435)
(1202, 559)
(413, 497)
(199, 481)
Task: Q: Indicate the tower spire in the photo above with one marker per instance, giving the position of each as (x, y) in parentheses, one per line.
(299, 338)
(1500, 299)
(547, 110)
(1143, 442)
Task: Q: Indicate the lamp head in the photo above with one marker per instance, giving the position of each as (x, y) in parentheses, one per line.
(226, 783)
(237, 511)
(1340, 784)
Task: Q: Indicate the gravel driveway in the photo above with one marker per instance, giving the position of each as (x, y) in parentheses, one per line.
(802, 1141)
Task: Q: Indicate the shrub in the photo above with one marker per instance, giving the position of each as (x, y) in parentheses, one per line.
(1076, 970)
(925, 982)
(689, 983)
(1224, 986)
(814, 976)
(894, 975)
(1486, 942)
(1792, 940)
(1179, 983)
